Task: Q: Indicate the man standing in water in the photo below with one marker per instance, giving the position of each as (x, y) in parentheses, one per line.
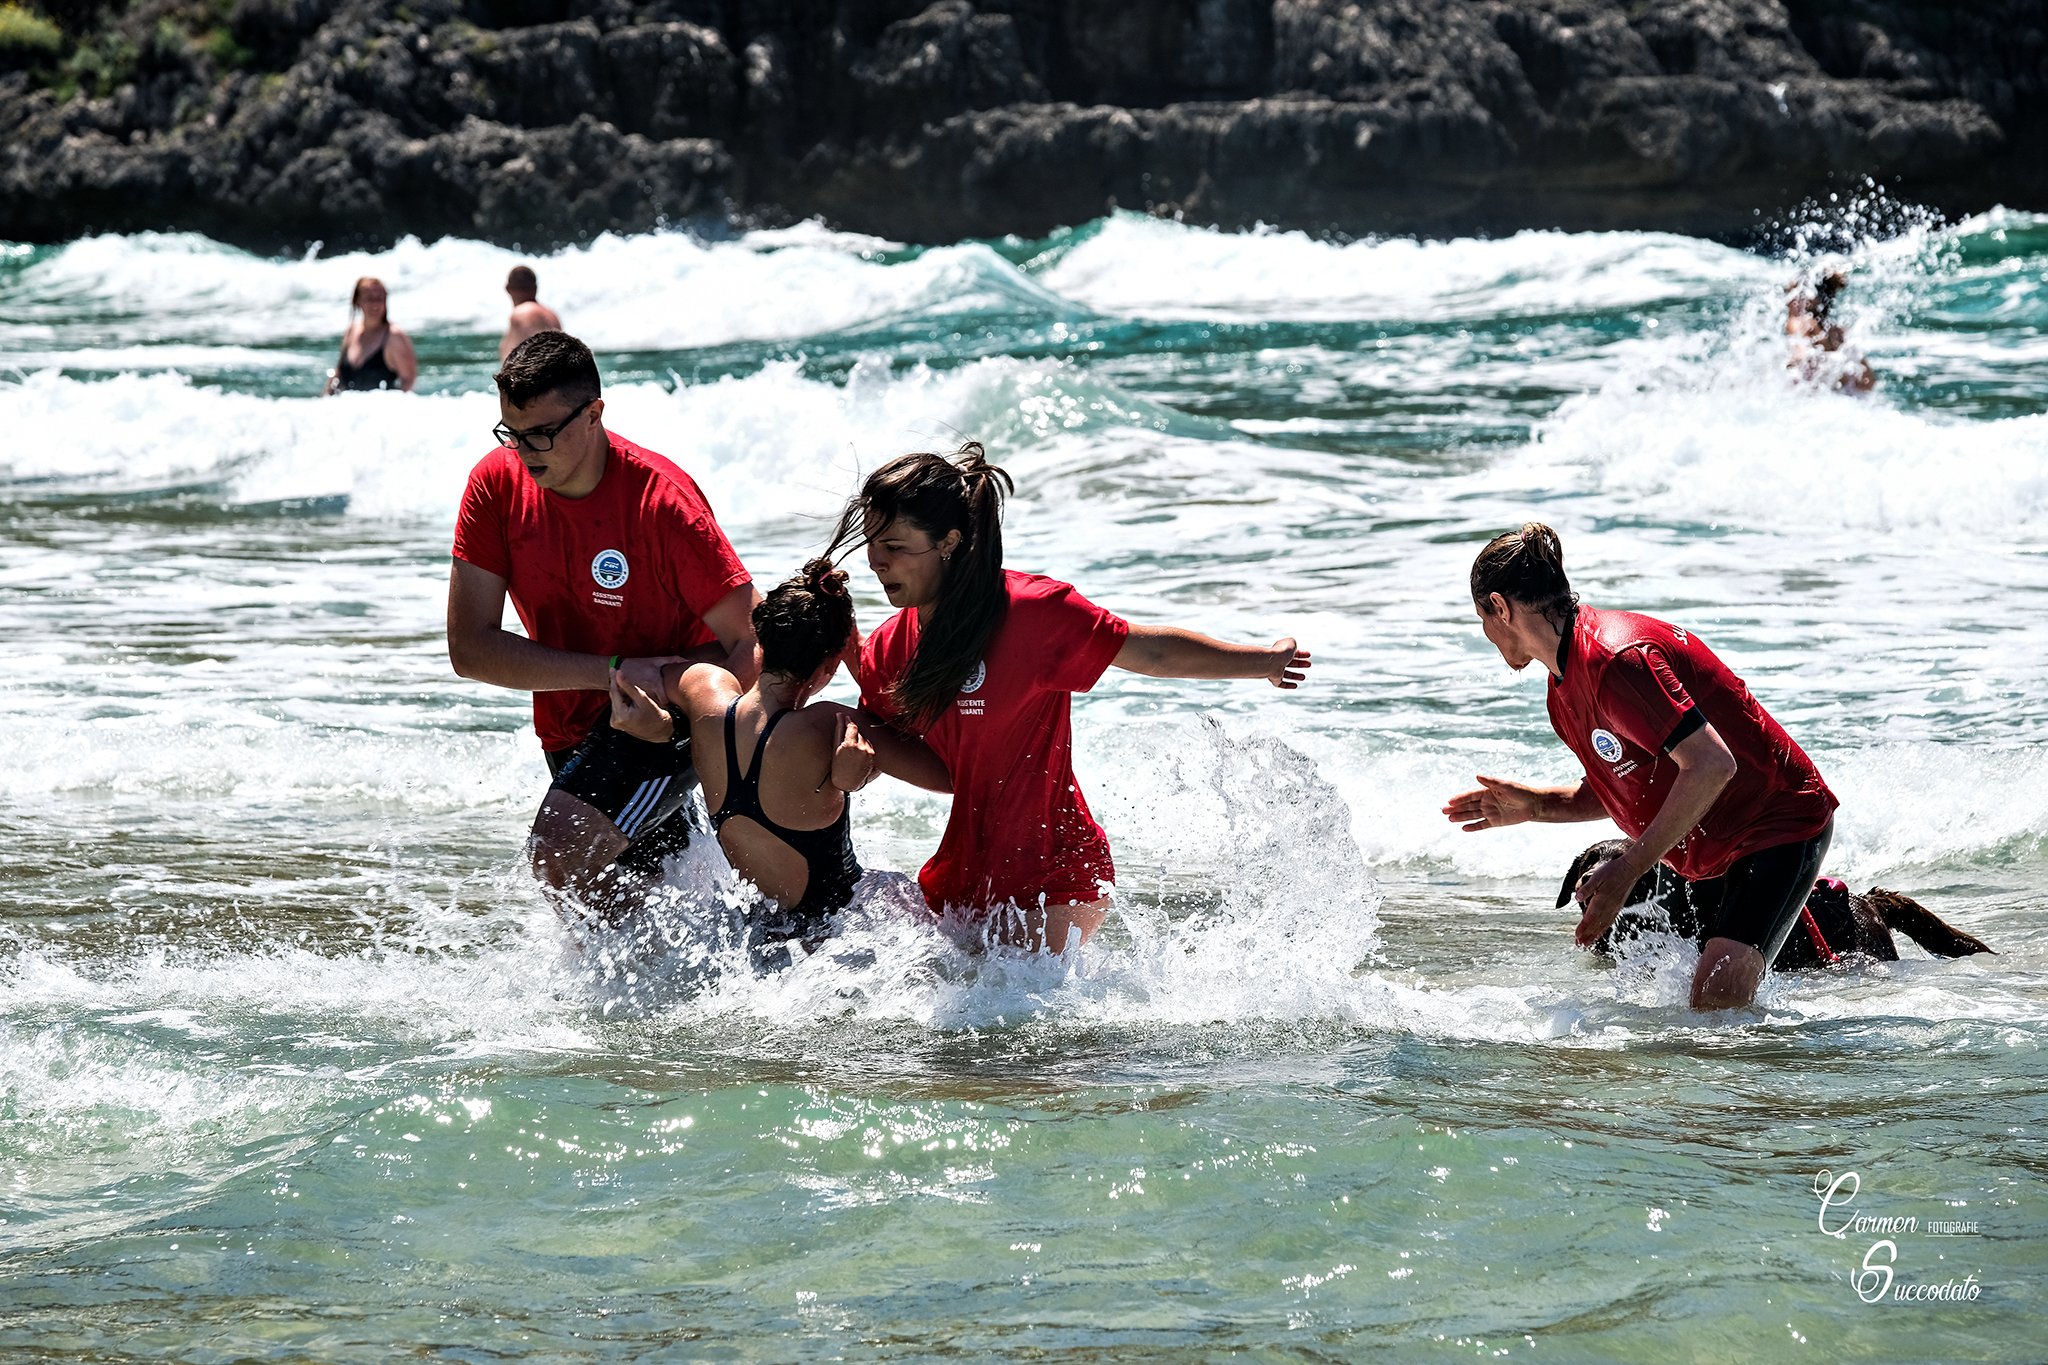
(529, 315)
(616, 566)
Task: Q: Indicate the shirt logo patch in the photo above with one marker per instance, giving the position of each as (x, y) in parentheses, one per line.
(609, 569)
(1678, 635)
(1607, 746)
(976, 678)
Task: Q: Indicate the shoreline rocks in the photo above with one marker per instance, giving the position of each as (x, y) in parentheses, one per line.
(355, 122)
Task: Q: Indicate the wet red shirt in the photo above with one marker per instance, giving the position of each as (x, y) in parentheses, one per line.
(1633, 682)
(629, 569)
(1020, 829)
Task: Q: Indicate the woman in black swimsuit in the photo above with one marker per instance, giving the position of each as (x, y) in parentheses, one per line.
(374, 354)
(775, 771)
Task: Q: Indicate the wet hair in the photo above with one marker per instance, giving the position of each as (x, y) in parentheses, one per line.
(804, 621)
(937, 494)
(1816, 298)
(1526, 566)
(1824, 291)
(549, 363)
(355, 298)
(521, 278)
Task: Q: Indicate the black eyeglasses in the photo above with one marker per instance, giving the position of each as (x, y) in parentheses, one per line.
(541, 439)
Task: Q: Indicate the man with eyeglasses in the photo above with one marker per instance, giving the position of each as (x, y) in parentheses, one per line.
(616, 566)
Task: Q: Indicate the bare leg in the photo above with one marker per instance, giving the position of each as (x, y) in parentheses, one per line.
(574, 847)
(1727, 975)
(1052, 928)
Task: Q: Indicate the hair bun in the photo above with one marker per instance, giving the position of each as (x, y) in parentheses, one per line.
(824, 577)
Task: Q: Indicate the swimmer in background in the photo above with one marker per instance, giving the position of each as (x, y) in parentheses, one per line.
(528, 314)
(1815, 338)
(777, 772)
(374, 354)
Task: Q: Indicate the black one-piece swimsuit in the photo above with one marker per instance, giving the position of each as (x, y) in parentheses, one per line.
(827, 852)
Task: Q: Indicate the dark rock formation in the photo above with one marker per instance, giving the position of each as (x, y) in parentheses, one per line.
(356, 121)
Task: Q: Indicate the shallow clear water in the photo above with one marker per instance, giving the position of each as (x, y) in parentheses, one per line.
(295, 1065)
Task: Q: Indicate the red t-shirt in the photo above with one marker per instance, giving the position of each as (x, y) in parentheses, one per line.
(1020, 829)
(629, 569)
(1631, 684)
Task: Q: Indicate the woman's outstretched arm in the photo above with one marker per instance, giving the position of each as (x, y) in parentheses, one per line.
(1170, 652)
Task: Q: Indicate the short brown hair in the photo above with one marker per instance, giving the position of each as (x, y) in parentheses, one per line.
(549, 363)
(521, 277)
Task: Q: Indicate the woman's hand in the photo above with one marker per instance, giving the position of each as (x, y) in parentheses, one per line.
(854, 764)
(1290, 665)
(636, 713)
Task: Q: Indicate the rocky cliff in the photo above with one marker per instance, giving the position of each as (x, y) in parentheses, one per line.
(276, 122)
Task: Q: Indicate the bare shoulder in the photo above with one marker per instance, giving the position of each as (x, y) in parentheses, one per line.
(707, 690)
(815, 726)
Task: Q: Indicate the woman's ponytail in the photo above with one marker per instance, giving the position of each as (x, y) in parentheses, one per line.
(1526, 566)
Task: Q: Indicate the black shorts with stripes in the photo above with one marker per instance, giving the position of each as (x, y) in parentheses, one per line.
(640, 785)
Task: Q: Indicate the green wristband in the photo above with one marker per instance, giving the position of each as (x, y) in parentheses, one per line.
(615, 661)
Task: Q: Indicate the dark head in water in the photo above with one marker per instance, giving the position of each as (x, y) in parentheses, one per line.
(933, 528)
(1807, 312)
(1835, 923)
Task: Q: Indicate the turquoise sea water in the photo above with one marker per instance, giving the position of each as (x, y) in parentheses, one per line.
(296, 1066)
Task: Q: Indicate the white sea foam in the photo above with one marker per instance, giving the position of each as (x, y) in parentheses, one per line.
(663, 291)
(1145, 267)
(766, 446)
(1758, 450)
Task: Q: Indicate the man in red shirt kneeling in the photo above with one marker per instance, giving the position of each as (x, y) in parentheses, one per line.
(1714, 795)
(616, 566)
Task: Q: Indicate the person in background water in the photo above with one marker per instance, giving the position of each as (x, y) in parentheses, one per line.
(1713, 794)
(374, 354)
(981, 662)
(778, 792)
(528, 314)
(616, 566)
(1815, 338)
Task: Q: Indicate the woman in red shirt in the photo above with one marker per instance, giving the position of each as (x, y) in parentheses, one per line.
(1712, 792)
(981, 662)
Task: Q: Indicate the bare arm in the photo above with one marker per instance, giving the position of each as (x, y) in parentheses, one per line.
(334, 375)
(1170, 652)
(1704, 767)
(398, 353)
(1497, 802)
(732, 619)
(899, 755)
(480, 647)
